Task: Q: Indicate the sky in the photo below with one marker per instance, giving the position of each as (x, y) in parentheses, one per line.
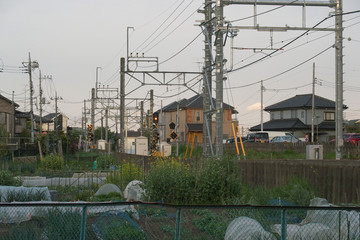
(76, 40)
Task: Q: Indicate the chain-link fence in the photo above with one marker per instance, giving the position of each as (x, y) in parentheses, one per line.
(123, 220)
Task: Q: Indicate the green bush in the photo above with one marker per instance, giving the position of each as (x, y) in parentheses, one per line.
(297, 191)
(52, 162)
(173, 181)
(104, 161)
(6, 179)
(125, 173)
(170, 180)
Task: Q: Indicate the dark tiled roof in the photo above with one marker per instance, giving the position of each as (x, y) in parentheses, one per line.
(326, 126)
(193, 102)
(281, 125)
(195, 127)
(291, 125)
(52, 115)
(302, 101)
(9, 101)
(19, 114)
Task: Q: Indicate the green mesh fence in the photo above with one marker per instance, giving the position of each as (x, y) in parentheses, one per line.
(122, 220)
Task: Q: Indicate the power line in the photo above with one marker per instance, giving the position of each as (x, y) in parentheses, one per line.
(177, 27)
(262, 13)
(288, 70)
(159, 26)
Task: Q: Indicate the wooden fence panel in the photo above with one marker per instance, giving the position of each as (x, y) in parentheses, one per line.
(335, 180)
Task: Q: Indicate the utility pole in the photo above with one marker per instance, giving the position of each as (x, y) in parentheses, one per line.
(152, 129)
(56, 117)
(127, 46)
(85, 119)
(97, 81)
(31, 102)
(207, 82)
(262, 107)
(313, 105)
(41, 98)
(339, 80)
(12, 131)
(93, 108)
(30, 66)
(219, 77)
(106, 124)
(40, 91)
(122, 104)
(141, 118)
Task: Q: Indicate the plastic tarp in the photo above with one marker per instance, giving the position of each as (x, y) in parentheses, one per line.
(134, 191)
(15, 214)
(6, 191)
(245, 228)
(326, 224)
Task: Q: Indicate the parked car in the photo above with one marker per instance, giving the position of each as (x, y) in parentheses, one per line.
(258, 137)
(231, 140)
(285, 139)
(350, 137)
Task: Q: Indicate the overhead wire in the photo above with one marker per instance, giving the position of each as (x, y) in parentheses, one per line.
(288, 70)
(153, 33)
(262, 13)
(176, 28)
(295, 39)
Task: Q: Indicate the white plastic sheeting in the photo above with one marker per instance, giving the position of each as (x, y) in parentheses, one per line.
(134, 191)
(108, 188)
(324, 224)
(5, 191)
(245, 228)
(18, 214)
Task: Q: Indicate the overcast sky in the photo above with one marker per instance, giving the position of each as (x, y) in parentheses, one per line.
(71, 38)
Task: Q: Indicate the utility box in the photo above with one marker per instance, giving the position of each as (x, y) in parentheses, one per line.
(165, 149)
(101, 144)
(141, 146)
(315, 152)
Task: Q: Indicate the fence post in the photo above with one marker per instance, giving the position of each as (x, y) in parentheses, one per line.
(178, 224)
(339, 224)
(83, 223)
(283, 224)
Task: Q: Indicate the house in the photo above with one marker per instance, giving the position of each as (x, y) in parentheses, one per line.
(294, 115)
(60, 120)
(7, 115)
(191, 119)
(22, 119)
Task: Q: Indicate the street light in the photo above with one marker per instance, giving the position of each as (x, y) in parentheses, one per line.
(127, 46)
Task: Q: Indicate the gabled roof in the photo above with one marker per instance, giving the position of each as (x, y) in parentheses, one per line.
(52, 115)
(193, 102)
(19, 114)
(9, 101)
(291, 125)
(303, 101)
(281, 125)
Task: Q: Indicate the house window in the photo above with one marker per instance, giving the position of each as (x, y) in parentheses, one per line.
(302, 114)
(2, 118)
(293, 113)
(329, 116)
(197, 116)
(281, 114)
(272, 116)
